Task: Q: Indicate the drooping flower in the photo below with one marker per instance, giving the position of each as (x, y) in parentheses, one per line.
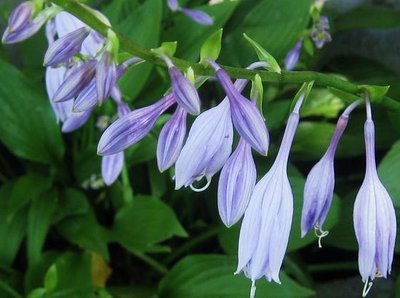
(236, 183)
(320, 34)
(20, 16)
(197, 15)
(374, 217)
(65, 47)
(106, 76)
(246, 117)
(320, 182)
(171, 139)
(132, 127)
(293, 56)
(208, 146)
(185, 92)
(173, 4)
(265, 229)
(87, 98)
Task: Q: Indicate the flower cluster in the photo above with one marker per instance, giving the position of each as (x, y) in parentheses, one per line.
(82, 71)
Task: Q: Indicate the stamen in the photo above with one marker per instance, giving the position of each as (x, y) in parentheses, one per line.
(253, 289)
(320, 234)
(203, 188)
(367, 287)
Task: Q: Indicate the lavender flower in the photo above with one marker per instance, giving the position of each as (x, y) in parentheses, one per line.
(132, 127)
(65, 47)
(20, 16)
(185, 93)
(106, 76)
(171, 139)
(293, 56)
(75, 81)
(266, 225)
(236, 183)
(319, 33)
(87, 98)
(318, 190)
(197, 15)
(374, 217)
(208, 146)
(245, 115)
(173, 4)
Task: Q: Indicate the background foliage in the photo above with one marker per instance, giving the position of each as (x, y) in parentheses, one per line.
(139, 237)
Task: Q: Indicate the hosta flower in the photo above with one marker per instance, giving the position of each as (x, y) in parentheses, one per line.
(106, 76)
(132, 127)
(293, 56)
(320, 34)
(265, 229)
(208, 146)
(87, 98)
(246, 117)
(171, 139)
(374, 217)
(185, 92)
(320, 182)
(197, 15)
(236, 183)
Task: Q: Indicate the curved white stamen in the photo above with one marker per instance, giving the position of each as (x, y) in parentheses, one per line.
(367, 288)
(203, 188)
(320, 234)
(253, 289)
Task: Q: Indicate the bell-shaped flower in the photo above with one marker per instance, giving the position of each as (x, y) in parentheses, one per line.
(87, 98)
(374, 217)
(106, 76)
(132, 127)
(236, 184)
(197, 15)
(293, 56)
(75, 81)
(185, 92)
(320, 182)
(65, 47)
(246, 117)
(207, 148)
(265, 229)
(20, 16)
(171, 139)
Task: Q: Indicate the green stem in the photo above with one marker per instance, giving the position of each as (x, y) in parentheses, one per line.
(150, 261)
(331, 80)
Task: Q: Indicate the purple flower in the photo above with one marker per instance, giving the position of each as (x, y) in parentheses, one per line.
(236, 183)
(111, 167)
(171, 139)
(185, 93)
(132, 127)
(87, 98)
(65, 47)
(20, 16)
(318, 189)
(374, 217)
(246, 117)
(265, 229)
(106, 76)
(293, 56)
(197, 15)
(208, 146)
(319, 33)
(75, 81)
(172, 4)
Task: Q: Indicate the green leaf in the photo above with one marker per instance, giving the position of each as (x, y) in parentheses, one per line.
(389, 172)
(263, 55)
(28, 127)
(118, 10)
(322, 103)
(376, 93)
(167, 48)
(50, 279)
(71, 202)
(144, 223)
(39, 220)
(212, 276)
(211, 47)
(142, 26)
(257, 92)
(36, 272)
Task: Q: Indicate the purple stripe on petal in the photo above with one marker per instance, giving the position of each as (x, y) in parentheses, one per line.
(198, 16)
(23, 33)
(111, 167)
(87, 99)
(106, 76)
(132, 127)
(171, 139)
(20, 16)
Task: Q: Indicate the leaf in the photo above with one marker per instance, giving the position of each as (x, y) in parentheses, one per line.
(118, 10)
(145, 222)
(50, 279)
(142, 26)
(322, 102)
(39, 220)
(71, 202)
(190, 35)
(389, 172)
(212, 276)
(211, 47)
(28, 127)
(263, 55)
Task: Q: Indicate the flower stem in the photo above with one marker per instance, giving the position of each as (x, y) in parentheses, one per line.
(297, 77)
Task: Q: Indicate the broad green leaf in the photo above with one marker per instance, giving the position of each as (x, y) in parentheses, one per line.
(71, 202)
(322, 102)
(118, 10)
(389, 172)
(190, 35)
(51, 279)
(211, 47)
(28, 127)
(145, 222)
(263, 55)
(36, 272)
(276, 25)
(142, 26)
(212, 276)
(39, 220)
(167, 48)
